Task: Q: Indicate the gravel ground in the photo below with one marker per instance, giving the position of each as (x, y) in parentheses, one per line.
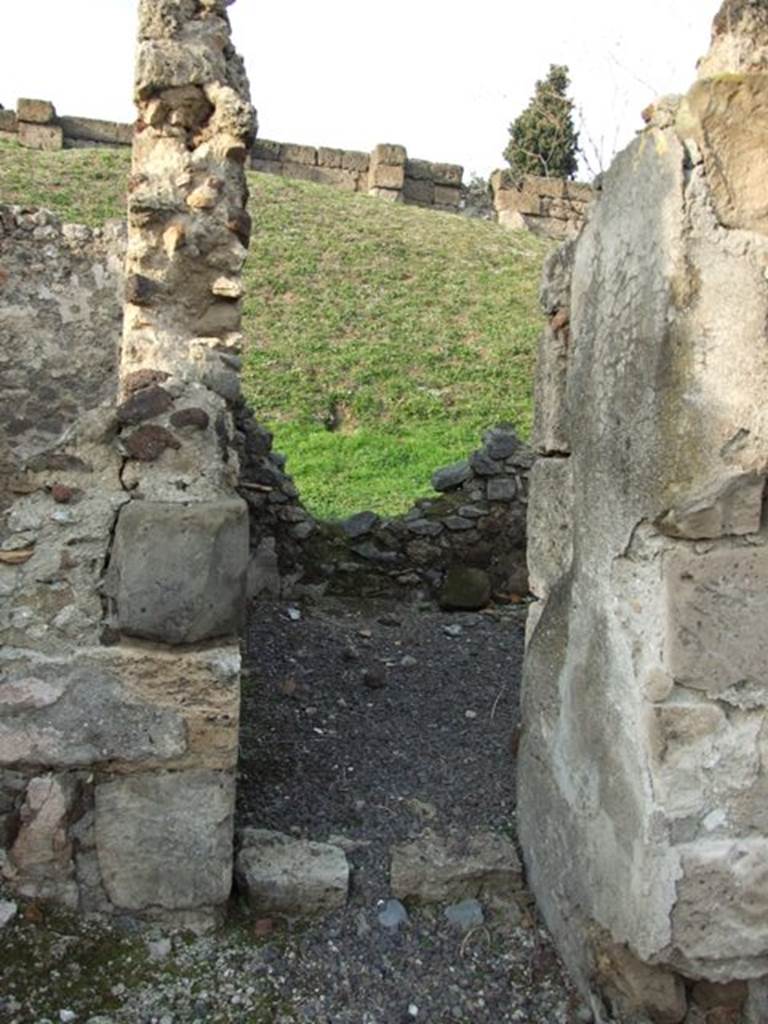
(369, 724)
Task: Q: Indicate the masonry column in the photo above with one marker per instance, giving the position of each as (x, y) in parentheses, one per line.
(643, 771)
(176, 575)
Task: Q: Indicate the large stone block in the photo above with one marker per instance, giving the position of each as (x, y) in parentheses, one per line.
(35, 111)
(447, 195)
(447, 174)
(435, 868)
(389, 155)
(105, 133)
(716, 607)
(729, 506)
(293, 153)
(74, 714)
(47, 137)
(8, 121)
(421, 192)
(386, 176)
(178, 571)
(727, 117)
(166, 840)
(722, 903)
(278, 874)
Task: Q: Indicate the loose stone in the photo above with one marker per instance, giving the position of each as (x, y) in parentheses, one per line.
(392, 915)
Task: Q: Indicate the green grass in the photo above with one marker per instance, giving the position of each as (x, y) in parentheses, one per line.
(382, 338)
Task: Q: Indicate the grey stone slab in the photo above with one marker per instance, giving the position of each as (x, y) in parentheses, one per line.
(166, 840)
(278, 874)
(434, 868)
(67, 714)
(178, 572)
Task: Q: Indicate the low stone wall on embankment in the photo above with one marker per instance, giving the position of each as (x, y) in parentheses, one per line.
(551, 207)
(460, 547)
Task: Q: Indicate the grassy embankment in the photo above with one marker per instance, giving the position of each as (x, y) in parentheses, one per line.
(382, 338)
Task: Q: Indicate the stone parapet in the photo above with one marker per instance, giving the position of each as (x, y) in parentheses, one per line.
(35, 125)
(386, 172)
(550, 207)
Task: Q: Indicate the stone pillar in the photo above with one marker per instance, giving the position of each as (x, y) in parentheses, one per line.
(642, 772)
(176, 575)
(124, 543)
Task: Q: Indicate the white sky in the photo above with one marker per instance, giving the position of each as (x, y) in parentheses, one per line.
(443, 79)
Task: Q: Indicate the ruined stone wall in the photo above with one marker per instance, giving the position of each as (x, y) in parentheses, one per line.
(35, 124)
(460, 547)
(124, 541)
(386, 172)
(551, 207)
(643, 759)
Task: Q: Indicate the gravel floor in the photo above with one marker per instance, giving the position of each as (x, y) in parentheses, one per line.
(371, 725)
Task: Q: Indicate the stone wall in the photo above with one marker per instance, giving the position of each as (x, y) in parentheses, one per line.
(550, 207)
(643, 759)
(386, 172)
(35, 125)
(460, 547)
(124, 543)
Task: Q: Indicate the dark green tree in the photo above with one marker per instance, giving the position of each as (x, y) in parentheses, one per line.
(543, 140)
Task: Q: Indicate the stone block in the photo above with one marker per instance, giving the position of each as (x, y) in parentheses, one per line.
(177, 573)
(104, 133)
(447, 174)
(447, 195)
(327, 157)
(550, 523)
(386, 176)
(420, 192)
(727, 117)
(35, 111)
(294, 154)
(265, 149)
(8, 121)
(511, 220)
(338, 178)
(638, 990)
(389, 155)
(40, 864)
(722, 902)
(457, 866)
(716, 605)
(450, 477)
(353, 160)
(502, 488)
(166, 840)
(419, 170)
(730, 506)
(47, 137)
(277, 874)
(67, 714)
(266, 166)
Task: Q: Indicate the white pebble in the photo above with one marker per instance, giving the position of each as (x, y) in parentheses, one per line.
(67, 1016)
(413, 1010)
